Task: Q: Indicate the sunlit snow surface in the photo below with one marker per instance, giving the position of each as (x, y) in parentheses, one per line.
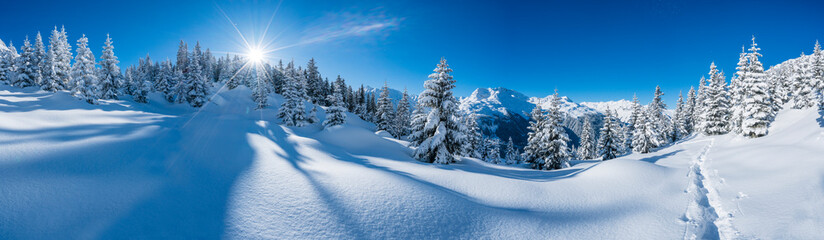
(151, 171)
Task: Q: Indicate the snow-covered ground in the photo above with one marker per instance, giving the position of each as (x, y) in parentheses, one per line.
(150, 171)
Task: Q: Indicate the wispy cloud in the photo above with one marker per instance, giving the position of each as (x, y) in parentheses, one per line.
(347, 25)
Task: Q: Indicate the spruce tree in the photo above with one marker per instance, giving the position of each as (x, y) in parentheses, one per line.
(109, 74)
(737, 92)
(556, 137)
(84, 76)
(473, 136)
(681, 115)
(757, 103)
(293, 109)
(817, 73)
(511, 152)
(196, 90)
(416, 125)
(260, 91)
(26, 66)
(385, 113)
(645, 137)
(58, 65)
(166, 81)
(535, 149)
(689, 111)
(493, 150)
(402, 116)
(183, 57)
(39, 61)
(313, 114)
(609, 143)
(336, 113)
(587, 149)
(698, 108)
(443, 132)
(7, 59)
(659, 120)
(716, 105)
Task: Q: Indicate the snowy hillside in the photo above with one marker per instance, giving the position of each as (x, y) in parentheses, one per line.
(158, 170)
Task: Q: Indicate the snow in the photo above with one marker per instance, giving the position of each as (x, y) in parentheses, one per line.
(69, 169)
(3, 46)
(622, 107)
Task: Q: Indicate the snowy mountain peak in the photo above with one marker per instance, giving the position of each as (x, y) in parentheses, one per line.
(3, 46)
(499, 100)
(622, 107)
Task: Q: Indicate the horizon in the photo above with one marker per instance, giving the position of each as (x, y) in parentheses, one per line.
(369, 43)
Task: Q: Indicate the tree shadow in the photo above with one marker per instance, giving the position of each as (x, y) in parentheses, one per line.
(655, 159)
(820, 118)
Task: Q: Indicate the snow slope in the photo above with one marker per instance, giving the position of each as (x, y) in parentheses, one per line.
(157, 170)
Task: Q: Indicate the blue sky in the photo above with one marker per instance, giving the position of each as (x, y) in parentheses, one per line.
(588, 50)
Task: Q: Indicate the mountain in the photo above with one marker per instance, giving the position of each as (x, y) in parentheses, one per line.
(3, 46)
(622, 107)
(504, 113)
(394, 94)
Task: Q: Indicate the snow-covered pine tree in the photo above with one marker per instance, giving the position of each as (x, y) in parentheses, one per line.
(26, 66)
(716, 105)
(207, 60)
(443, 131)
(493, 150)
(416, 125)
(758, 110)
(556, 138)
(689, 111)
(402, 115)
(58, 66)
(183, 57)
(314, 82)
(166, 81)
(535, 150)
(645, 138)
(84, 76)
(657, 116)
(109, 74)
(336, 113)
(196, 85)
(737, 92)
(385, 114)
(698, 108)
(681, 116)
(7, 59)
(260, 90)
(817, 73)
(511, 153)
(293, 109)
(142, 87)
(587, 149)
(39, 61)
(803, 84)
(473, 136)
(609, 143)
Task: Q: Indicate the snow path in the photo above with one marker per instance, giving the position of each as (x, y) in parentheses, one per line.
(705, 217)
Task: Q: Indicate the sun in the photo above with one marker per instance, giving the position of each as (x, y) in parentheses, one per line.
(255, 55)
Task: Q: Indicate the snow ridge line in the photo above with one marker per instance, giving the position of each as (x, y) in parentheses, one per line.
(705, 217)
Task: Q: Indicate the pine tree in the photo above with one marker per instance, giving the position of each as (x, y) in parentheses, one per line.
(681, 116)
(336, 113)
(183, 57)
(473, 136)
(737, 92)
(689, 111)
(716, 105)
(313, 114)
(58, 65)
(443, 132)
(645, 137)
(656, 115)
(757, 103)
(260, 91)
(698, 111)
(511, 153)
(7, 59)
(402, 116)
(142, 89)
(817, 73)
(293, 109)
(609, 144)
(555, 136)
(314, 82)
(84, 75)
(26, 66)
(416, 125)
(535, 150)
(385, 113)
(587, 149)
(493, 150)
(166, 81)
(802, 78)
(196, 91)
(39, 61)
(109, 74)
